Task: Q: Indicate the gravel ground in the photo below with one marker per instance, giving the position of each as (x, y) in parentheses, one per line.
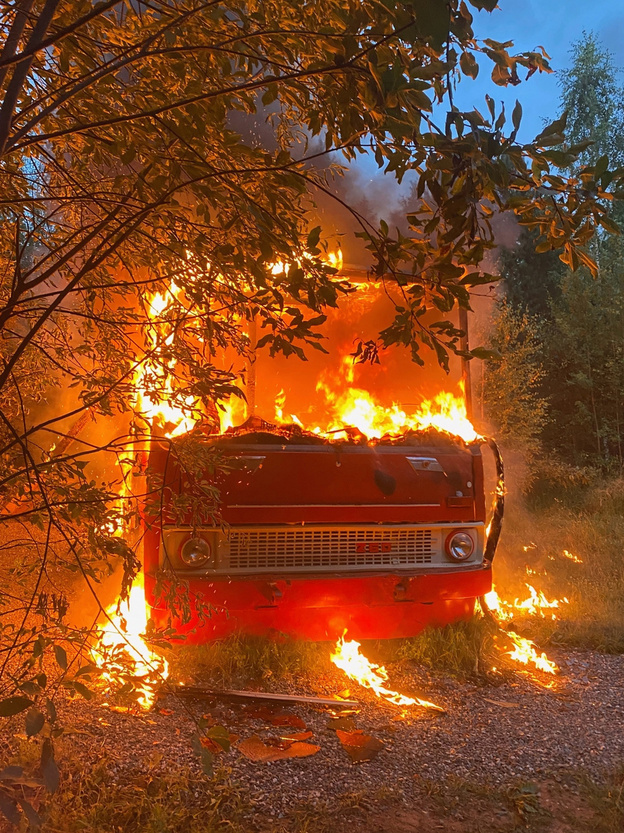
(518, 730)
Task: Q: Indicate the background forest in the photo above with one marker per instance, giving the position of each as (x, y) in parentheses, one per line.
(558, 391)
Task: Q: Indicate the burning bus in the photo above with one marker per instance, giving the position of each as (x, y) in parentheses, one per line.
(369, 518)
(318, 537)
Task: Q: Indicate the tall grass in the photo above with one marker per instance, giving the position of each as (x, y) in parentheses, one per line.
(152, 801)
(239, 659)
(464, 649)
(588, 523)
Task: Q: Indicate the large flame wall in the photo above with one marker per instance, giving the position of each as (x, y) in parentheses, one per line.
(305, 389)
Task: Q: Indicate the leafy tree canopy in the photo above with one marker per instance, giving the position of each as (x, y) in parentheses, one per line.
(593, 97)
(575, 317)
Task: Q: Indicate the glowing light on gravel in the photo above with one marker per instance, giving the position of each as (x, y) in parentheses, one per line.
(348, 658)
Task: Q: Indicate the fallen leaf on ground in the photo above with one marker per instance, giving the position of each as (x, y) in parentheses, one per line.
(342, 712)
(212, 745)
(276, 717)
(358, 746)
(346, 724)
(166, 712)
(256, 749)
(297, 736)
(217, 739)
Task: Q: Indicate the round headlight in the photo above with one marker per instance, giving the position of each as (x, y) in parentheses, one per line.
(196, 552)
(459, 546)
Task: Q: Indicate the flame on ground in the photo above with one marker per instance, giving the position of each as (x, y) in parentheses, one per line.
(535, 605)
(348, 658)
(121, 647)
(524, 650)
(570, 555)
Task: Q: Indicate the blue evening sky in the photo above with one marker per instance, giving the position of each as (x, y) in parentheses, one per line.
(553, 24)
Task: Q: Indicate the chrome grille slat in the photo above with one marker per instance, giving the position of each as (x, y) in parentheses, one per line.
(328, 548)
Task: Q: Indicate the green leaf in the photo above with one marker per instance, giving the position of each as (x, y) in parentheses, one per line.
(221, 736)
(9, 809)
(609, 225)
(207, 759)
(82, 690)
(51, 710)
(432, 20)
(485, 354)
(14, 705)
(35, 722)
(469, 65)
(61, 656)
(555, 127)
(313, 237)
(86, 670)
(34, 820)
(49, 770)
(601, 166)
(488, 5)
(11, 773)
(270, 95)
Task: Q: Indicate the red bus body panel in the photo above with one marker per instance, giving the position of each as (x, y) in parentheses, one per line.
(283, 484)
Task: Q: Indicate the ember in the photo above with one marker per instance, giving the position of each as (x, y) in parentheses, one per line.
(570, 555)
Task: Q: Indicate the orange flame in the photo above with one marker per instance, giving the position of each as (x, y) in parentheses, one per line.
(155, 395)
(524, 650)
(348, 658)
(358, 408)
(232, 413)
(121, 646)
(334, 259)
(535, 605)
(572, 557)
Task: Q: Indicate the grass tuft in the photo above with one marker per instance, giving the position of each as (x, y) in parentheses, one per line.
(463, 649)
(240, 659)
(532, 551)
(150, 802)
